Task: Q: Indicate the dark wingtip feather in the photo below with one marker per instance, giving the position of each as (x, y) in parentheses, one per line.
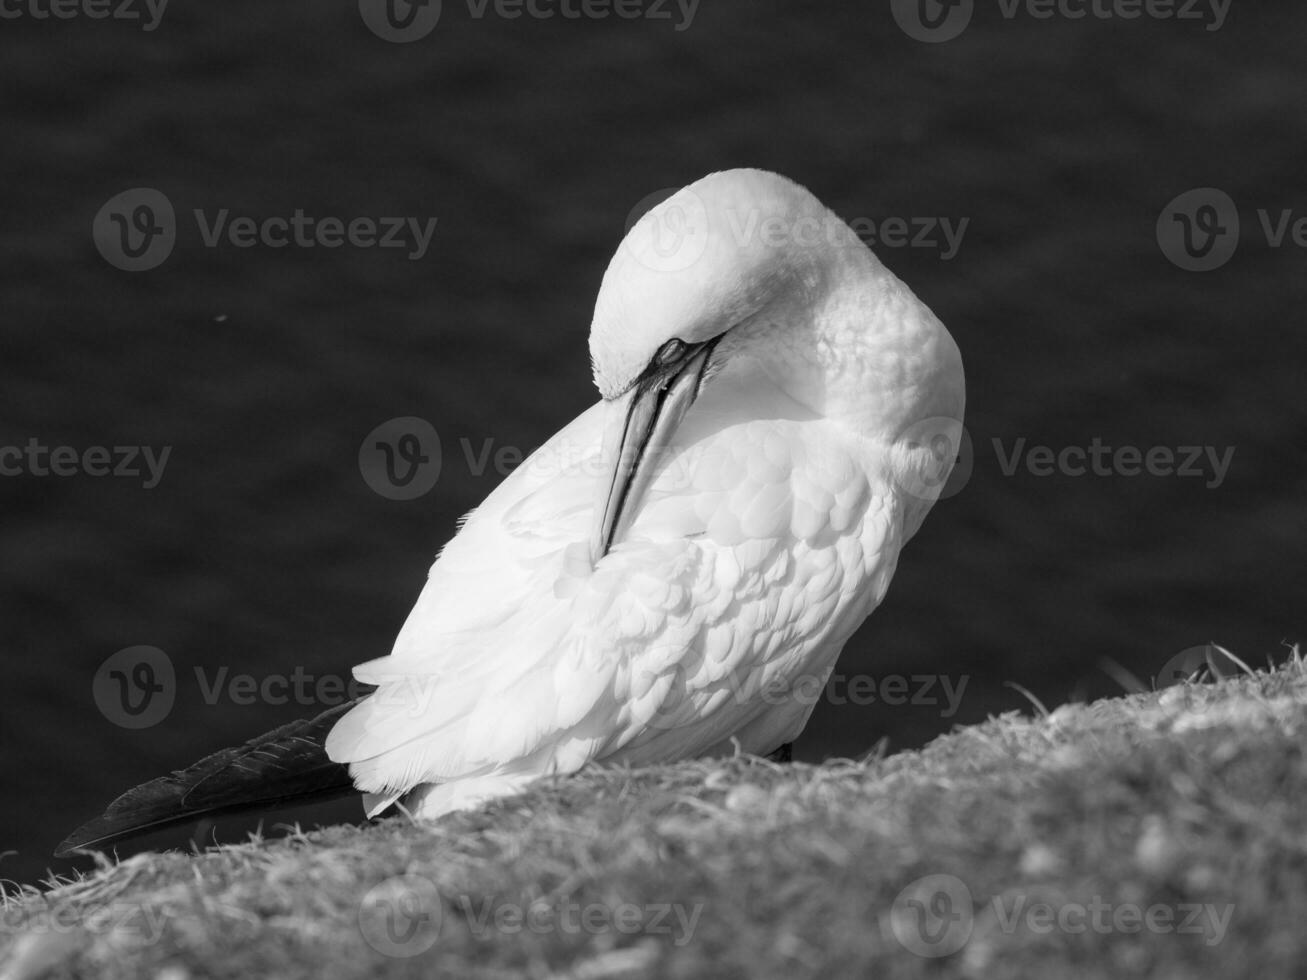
(286, 764)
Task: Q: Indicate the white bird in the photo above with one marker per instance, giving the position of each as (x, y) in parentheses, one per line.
(676, 571)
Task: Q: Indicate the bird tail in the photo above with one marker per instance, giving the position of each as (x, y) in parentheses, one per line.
(286, 764)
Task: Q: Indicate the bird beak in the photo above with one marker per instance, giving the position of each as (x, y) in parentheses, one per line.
(637, 436)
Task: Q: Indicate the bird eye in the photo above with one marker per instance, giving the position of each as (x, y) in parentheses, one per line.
(671, 352)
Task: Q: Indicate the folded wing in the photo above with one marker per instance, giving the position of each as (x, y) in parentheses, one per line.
(742, 572)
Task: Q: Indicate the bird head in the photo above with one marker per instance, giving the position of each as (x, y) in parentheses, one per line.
(745, 274)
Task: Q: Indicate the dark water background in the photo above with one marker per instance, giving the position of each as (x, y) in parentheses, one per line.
(262, 548)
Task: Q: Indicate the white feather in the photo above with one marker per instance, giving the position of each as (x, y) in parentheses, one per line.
(769, 533)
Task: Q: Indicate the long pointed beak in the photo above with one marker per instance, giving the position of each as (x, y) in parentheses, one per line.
(637, 436)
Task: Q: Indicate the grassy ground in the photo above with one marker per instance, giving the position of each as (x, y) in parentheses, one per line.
(1161, 833)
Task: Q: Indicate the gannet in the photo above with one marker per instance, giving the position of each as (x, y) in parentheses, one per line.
(662, 578)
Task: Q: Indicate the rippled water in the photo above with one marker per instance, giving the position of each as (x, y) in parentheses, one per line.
(262, 549)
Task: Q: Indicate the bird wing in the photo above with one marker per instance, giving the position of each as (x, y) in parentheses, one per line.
(284, 765)
(760, 545)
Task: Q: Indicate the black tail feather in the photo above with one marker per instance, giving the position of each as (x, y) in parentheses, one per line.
(287, 764)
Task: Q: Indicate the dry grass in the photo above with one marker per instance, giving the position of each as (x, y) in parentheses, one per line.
(1161, 833)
